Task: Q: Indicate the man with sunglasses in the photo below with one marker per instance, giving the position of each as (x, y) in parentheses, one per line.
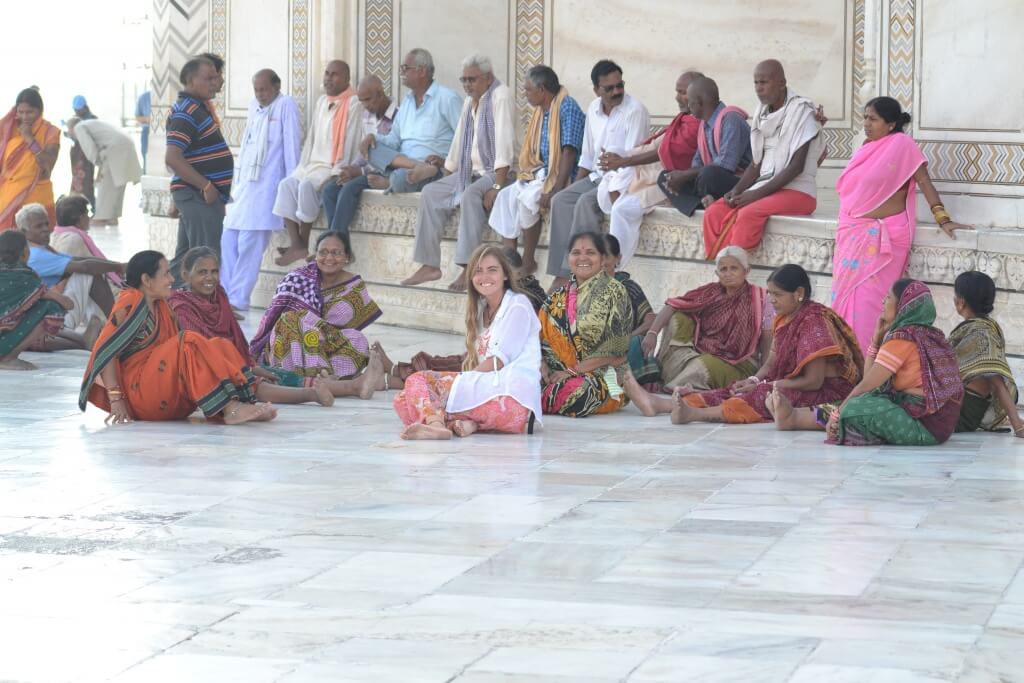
(616, 122)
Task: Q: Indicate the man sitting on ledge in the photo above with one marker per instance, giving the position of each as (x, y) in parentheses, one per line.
(476, 168)
(420, 137)
(723, 151)
(785, 143)
(547, 162)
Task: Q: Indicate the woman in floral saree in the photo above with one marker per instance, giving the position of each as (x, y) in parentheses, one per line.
(313, 325)
(814, 359)
(584, 332)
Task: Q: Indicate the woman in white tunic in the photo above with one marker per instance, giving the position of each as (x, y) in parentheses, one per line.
(499, 388)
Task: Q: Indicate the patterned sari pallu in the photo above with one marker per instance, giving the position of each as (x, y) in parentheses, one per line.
(310, 330)
(582, 321)
(23, 308)
(888, 416)
(981, 354)
(164, 373)
(813, 332)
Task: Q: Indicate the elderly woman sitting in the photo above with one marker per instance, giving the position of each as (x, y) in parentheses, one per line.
(711, 336)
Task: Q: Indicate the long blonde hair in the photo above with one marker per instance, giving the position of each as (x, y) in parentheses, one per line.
(475, 303)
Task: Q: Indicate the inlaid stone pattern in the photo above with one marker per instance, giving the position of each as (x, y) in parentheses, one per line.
(670, 259)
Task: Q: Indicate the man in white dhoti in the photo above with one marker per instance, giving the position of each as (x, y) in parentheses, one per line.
(113, 154)
(475, 170)
(332, 143)
(270, 151)
(80, 279)
(547, 162)
(629, 188)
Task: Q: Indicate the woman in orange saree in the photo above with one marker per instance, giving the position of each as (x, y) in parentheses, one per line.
(28, 151)
(143, 367)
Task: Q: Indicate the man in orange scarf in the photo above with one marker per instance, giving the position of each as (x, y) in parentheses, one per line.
(331, 144)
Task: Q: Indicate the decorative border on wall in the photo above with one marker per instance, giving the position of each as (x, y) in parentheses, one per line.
(982, 163)
(300, 67)
(840, 141)
(902, 26)
(379, 38)
(180, 29)
(529, 31)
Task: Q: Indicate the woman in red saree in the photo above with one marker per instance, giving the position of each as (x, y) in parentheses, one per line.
(28, 151)
(143, 367)
(878, 216)
(814, 359)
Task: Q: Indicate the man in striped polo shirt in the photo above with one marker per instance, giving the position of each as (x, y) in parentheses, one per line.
(200, 160)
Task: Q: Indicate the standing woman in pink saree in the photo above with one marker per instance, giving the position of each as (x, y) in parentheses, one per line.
(878, 216)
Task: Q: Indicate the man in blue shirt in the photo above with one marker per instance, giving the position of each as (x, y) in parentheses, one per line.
(422, 131)
(143, 110)
(722, 157)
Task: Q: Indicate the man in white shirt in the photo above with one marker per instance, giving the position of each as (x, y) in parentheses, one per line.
(113, 154)
(476, 168)
(616, 122)
(332, 143)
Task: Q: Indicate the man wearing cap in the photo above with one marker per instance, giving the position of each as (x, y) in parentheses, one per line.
(82, 170)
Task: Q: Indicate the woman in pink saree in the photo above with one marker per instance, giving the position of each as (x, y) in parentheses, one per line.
(878, 216)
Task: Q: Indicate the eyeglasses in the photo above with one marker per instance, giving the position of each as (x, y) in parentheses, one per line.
(335, 253)
(467, 80)
(406, 67)
(621, 85)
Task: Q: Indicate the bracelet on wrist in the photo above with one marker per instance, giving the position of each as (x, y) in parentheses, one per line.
(651, 332)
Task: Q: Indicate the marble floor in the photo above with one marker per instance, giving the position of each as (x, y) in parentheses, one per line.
(321, 547)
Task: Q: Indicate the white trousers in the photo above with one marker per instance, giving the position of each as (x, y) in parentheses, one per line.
(241, 254)
(517, 208)
(109, 197)
(298, 200)
(627, 213)
(77, 289)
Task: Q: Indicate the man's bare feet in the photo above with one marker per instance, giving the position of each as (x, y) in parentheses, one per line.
(463, 428)
(377, 182)
(459, 283)
(16, 364)
(372, 378)
(421, 172)
(638, 395)
(557, 284)
(422, 432)
(237, 413)
(782, 410)
(291, 255)
(683, 413)
(322, 393)
(424, 274)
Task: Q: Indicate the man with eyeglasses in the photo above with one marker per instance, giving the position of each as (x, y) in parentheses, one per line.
(422, 131)
(476, 169)
(616, 122)
(332, 142)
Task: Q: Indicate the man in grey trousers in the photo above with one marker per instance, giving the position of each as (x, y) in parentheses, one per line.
(476, 169)
(616, 122)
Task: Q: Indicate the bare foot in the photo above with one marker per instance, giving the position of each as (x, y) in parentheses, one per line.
(529, 266)
(291, 255)
(424, 274)
(385, 361)
(237, 413)
(683, 413)
(372, 378)
(420, 173)
(464, 428)
(638, 395)
(268, 411)
(683, 390)
(422, 432)
(16, 364)
(459, 283)
(378, 182)
(322, 393)
(557, 284)
(782, 410)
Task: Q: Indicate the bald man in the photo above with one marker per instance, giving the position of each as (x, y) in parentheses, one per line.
(331, 144)
(378, 116)
(270, 153)
(786, 145)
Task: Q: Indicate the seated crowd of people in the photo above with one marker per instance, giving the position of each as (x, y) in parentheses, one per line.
(164, 336)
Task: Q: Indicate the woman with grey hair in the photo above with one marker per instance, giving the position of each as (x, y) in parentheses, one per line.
(711, 336)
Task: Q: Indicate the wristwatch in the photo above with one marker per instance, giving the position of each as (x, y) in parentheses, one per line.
(496, 186)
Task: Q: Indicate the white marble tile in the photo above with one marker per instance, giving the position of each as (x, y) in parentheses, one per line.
(671, 668)
(557, 662)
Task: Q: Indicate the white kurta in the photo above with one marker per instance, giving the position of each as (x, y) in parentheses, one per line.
(316, 163)
(252, 201)
(503, 107)
(110, 150)
(626, 127)
(515, 341)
